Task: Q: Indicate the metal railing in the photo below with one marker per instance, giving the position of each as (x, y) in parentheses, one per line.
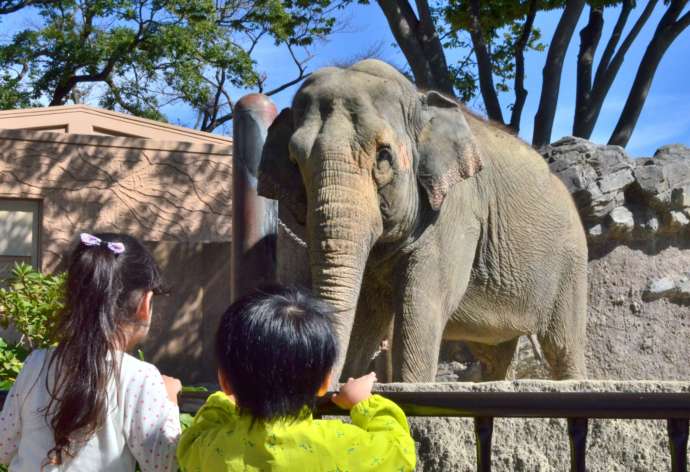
(576, 407)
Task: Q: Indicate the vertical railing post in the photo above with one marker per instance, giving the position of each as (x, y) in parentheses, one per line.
(483, 431)
(577, 433)
(678, 441)
(254, 218)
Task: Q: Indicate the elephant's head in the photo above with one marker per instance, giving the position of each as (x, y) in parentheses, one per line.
(359, 157)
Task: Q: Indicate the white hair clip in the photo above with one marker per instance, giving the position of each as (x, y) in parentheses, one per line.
(91, 240)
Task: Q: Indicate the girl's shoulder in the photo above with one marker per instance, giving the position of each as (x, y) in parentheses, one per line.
(37, 356)
(36, 360)
(134, 368)
(33, 368)
(142, 377)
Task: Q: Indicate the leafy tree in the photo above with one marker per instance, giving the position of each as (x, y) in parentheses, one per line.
(11, 6)
(140, 55)
(495, 34)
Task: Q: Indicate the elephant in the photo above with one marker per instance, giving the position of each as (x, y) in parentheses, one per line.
(423, 216)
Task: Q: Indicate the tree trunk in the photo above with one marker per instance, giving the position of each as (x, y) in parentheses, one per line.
(520, 91)
(486, 80)
(543, 121)
(667, 31)
(420, 43)
(608, 69)
(589, 40)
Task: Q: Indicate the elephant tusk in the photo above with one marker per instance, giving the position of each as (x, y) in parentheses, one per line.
(535, 347)
(292, 234)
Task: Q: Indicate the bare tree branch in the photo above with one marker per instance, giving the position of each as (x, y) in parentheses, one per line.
(587, 113)
(612, 43)
(484, 66)
(543, 120)
(668, 29)
(589, 40)
(520, 45)
(420, 44)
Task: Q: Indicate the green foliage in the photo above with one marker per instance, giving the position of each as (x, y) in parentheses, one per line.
(186, 420)
(139, 55)
(32, 303)
(11, 358)
(502, 23)
(11, 93)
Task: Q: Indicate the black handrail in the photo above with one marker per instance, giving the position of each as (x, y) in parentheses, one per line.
(621, 405)
(576, 407)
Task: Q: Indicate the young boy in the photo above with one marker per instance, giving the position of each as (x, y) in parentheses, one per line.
(275, 351)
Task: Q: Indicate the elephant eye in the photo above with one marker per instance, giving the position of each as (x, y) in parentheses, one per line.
(384, 159)
(383, 172)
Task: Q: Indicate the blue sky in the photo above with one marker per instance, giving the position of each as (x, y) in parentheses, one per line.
(665, 118)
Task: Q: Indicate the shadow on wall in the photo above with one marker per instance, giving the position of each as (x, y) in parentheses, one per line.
(174, 196)
(182, 334)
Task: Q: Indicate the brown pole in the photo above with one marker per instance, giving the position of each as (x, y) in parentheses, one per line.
(254, 218)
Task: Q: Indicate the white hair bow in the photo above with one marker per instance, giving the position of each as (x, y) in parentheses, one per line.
(91, 240)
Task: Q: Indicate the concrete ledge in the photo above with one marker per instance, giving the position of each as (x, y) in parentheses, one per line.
(447, 444)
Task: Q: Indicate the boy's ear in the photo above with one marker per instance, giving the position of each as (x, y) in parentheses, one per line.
(325, 385)
(224, 383)
(144, 308)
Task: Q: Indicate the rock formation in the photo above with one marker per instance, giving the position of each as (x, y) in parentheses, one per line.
(621, 198)
(636, 213)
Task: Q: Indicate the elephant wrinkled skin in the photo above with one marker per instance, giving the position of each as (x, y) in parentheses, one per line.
(421, 214)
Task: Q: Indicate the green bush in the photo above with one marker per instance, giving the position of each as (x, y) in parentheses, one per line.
(32, 304)
(11, 358)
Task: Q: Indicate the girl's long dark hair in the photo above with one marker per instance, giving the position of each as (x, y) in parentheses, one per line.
(102, 294)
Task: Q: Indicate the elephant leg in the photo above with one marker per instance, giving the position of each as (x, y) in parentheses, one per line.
(564, 341)
(495, 359)
(417, 334)
(416, 344)
(565, 357)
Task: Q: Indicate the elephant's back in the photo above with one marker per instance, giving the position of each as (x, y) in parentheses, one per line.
(517, 181)
(531, 235)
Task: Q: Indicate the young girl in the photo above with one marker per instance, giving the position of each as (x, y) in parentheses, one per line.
(275, 351)
(86, 405)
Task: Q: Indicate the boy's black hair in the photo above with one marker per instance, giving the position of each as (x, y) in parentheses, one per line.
(275, 347)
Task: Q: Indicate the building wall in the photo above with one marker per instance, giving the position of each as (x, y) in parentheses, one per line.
(174, 196)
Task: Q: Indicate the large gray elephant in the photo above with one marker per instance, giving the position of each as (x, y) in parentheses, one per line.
(423, 214)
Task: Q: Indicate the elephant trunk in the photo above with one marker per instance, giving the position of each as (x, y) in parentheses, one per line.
(340, 238)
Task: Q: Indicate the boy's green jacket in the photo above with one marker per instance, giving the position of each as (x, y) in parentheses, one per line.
(221, 440)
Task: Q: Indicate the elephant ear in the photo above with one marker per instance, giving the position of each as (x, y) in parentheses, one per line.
(279, 178)
(448, 152)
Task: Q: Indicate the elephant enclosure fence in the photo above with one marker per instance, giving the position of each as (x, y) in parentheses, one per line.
(576, 407)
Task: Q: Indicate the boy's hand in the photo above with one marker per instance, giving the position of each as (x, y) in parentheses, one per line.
(354, 391)
(172, 387)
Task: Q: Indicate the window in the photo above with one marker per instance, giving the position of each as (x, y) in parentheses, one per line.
(19, 234)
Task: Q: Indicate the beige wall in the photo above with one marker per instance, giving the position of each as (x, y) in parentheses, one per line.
(174, 196)
(83, 119)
